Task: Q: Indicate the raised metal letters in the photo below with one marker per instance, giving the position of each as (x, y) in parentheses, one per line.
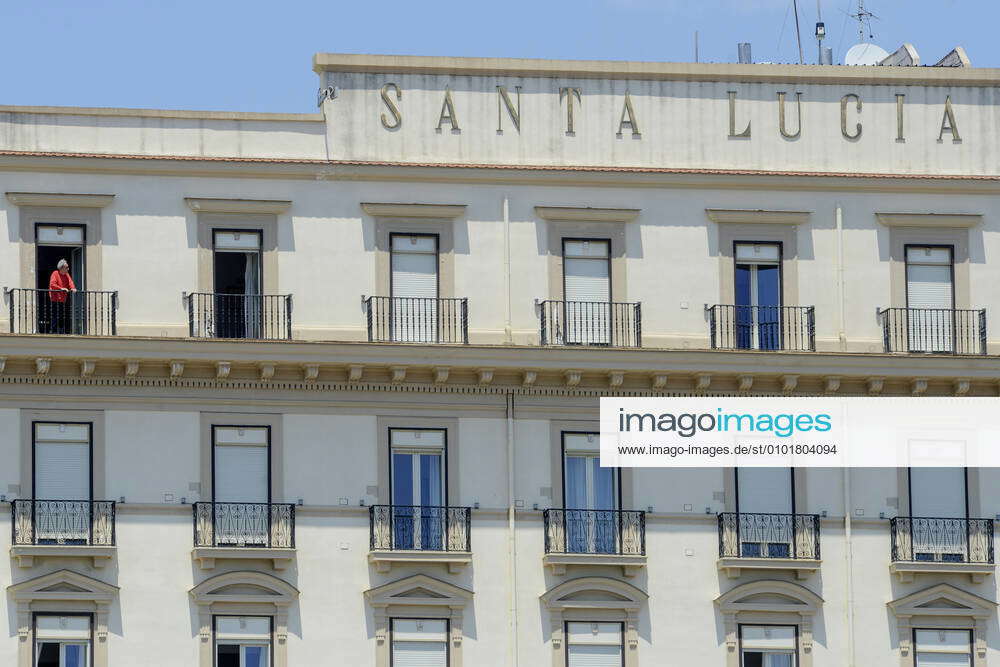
(568, 93)
(900, 98)
(732, 118)
(948, 123)
(628, 118)
(781, 116)
(843, 116)
(448, 113)
(391, 105)
(503, 100)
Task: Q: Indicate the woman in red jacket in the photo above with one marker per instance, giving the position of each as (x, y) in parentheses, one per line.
(60, 286)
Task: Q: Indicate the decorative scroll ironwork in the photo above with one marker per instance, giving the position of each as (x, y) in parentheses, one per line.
(417, 320)
(81, 522)
(420, 528)
(619, 532)
(941, 540)
(762, 327)
(249, 316)
(591, 323)
(42, 311)
(270, 525)
(743, 535)
(934, 330)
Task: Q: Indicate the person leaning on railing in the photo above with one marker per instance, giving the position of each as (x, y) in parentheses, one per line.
(60, 286)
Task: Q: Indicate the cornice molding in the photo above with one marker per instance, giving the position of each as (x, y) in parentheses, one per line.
(59, 199)
(961, 220)
(586, 214)
(757, 216)
(211, 205)
(389, 210)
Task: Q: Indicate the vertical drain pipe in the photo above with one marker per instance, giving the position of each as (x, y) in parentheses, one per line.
(849, 558)
(511, 534)
(841, 334)
(508, 329)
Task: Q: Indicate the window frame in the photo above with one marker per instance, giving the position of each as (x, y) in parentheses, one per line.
(796, 632)
(90, 449)
(909, 493)
(270, 443)
(906, 269)
(621, 637)
(968, 631)
(780, 263)
(437, 258)
(571, 239)
(444, 459)
(259, 253)
(736, 488)
(215, 637)
(447, 635)
(562, 466)
(34, 633)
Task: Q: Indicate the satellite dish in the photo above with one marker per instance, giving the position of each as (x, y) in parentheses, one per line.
(865, 54)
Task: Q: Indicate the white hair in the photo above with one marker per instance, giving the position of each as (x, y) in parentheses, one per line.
(62, 263)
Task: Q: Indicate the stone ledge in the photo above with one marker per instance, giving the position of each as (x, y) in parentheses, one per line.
(206, 556)
(630, 564)
(803, 567)
(907, 570)
(25, 554)
(384, 560)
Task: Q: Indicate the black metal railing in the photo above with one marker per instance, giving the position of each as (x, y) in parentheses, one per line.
(42, 311)
(250, 316)
(934, 330)
(574, 531)
(420, 528)
(397, 319)
(74, 522)
(941, 540)
(762, 327)
(270, 525)
(591, 323)
(743, 535)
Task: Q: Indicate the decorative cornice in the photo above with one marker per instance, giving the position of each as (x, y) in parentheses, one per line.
(964, 220)
(439, 211)
(59, 199)
(587, 214)
(757, 216)
(210, 205)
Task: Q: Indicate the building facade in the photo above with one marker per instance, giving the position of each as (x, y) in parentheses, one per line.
(326, 392)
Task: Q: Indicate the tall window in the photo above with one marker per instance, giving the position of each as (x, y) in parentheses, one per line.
(414, 287)
(943, 648)
(241, 461)
(758, 296)
(594, 645)
(62, 641)
(242, 641)
(62, 482)
(419, 642)
(57, 311)
(930, 298)
(590, 495)
(940, 494)
(237, 268)
(768, 492)
(768, 645)
(587, 291)
(417, 475)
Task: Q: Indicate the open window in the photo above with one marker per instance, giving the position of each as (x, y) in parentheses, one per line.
(758, 296)
(236, 263)
(243, 641)
(59, 311)
(63, 640)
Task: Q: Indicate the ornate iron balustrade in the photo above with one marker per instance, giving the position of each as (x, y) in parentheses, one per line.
(769, 536)
(762, 327)
(420, 528)
(573, 531)
(249, 525)
(399, 319)
(934, 330)
(941, 540)
(79, 522)
(249, 316)
(591, 323)
(42, 311)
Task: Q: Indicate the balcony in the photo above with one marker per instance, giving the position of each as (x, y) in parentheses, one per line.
(245, 316)
(773, 328)
(396, 319)
(255, 531)
(41, 311)
(941, 546)
(411, 534)
(62, 528)
(591, 323)
(595, 537)
(934, 330)
(768, 542)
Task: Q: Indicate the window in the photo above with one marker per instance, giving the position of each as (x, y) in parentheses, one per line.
(417, 478)
(765, 505)
(758, 296)
(242, 484)
(587, 291)
(943, 648)
(938, 509)
(419, 642)
(58, 312)
(62, 481)
(236, 265)
(590, 496)
(768, 645)
(62, 641)
(930, 298)
(242, 641)
(414, 287)
(594, 644)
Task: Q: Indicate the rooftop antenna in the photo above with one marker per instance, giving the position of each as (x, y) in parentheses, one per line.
(820, 31)
(864, 18)
(696, 46)
(864, 52)
(798, 33)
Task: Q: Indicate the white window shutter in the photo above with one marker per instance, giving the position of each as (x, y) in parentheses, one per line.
(62, 471)
(587, 279)
(414, 270)
(419, 643)
(765, 490)
(937, 492)
(241, 474)
(595, 656)
(928, 286)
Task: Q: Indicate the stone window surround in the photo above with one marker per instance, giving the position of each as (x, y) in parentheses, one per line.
(567, 602)
(86, 595)
(556, 429)
(956, 238)
(447, 424)
(962, 611)
(273, 601)
(97, 455)
(274, 421)
(586, 223)
(442, 601)
(801, 606)
(972, 489)
(799, 490)
(265, 223)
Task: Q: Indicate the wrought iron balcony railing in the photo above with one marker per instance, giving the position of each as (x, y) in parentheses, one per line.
(762, 327)
(420, 528)
(744, 535)
(244, 525)
(68, 522)
(940, 540)
(934, 330)
(42, 311)
(591, 323)
(249, 316)
(612, 532)
(397, 319)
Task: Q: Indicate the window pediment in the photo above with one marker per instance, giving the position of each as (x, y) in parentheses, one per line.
(943, 600)
(63, 585)
(770, 596)
(244, 587)
(594, 593)
(419, 589)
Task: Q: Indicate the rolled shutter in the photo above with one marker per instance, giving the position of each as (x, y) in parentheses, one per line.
(241, 465)
(928, 286)
(62, 462)
(765, 490)
(594, 645)
(938, 492)
(414, 267)
(419, 643)
(587, 284)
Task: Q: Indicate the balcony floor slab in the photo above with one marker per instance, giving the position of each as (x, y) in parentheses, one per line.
(908, 570)
(206, 556)
(629, 563)
(803, 567)
(25, 554)
(383, 560)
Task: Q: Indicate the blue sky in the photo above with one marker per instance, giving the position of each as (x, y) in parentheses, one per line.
(256, 56)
